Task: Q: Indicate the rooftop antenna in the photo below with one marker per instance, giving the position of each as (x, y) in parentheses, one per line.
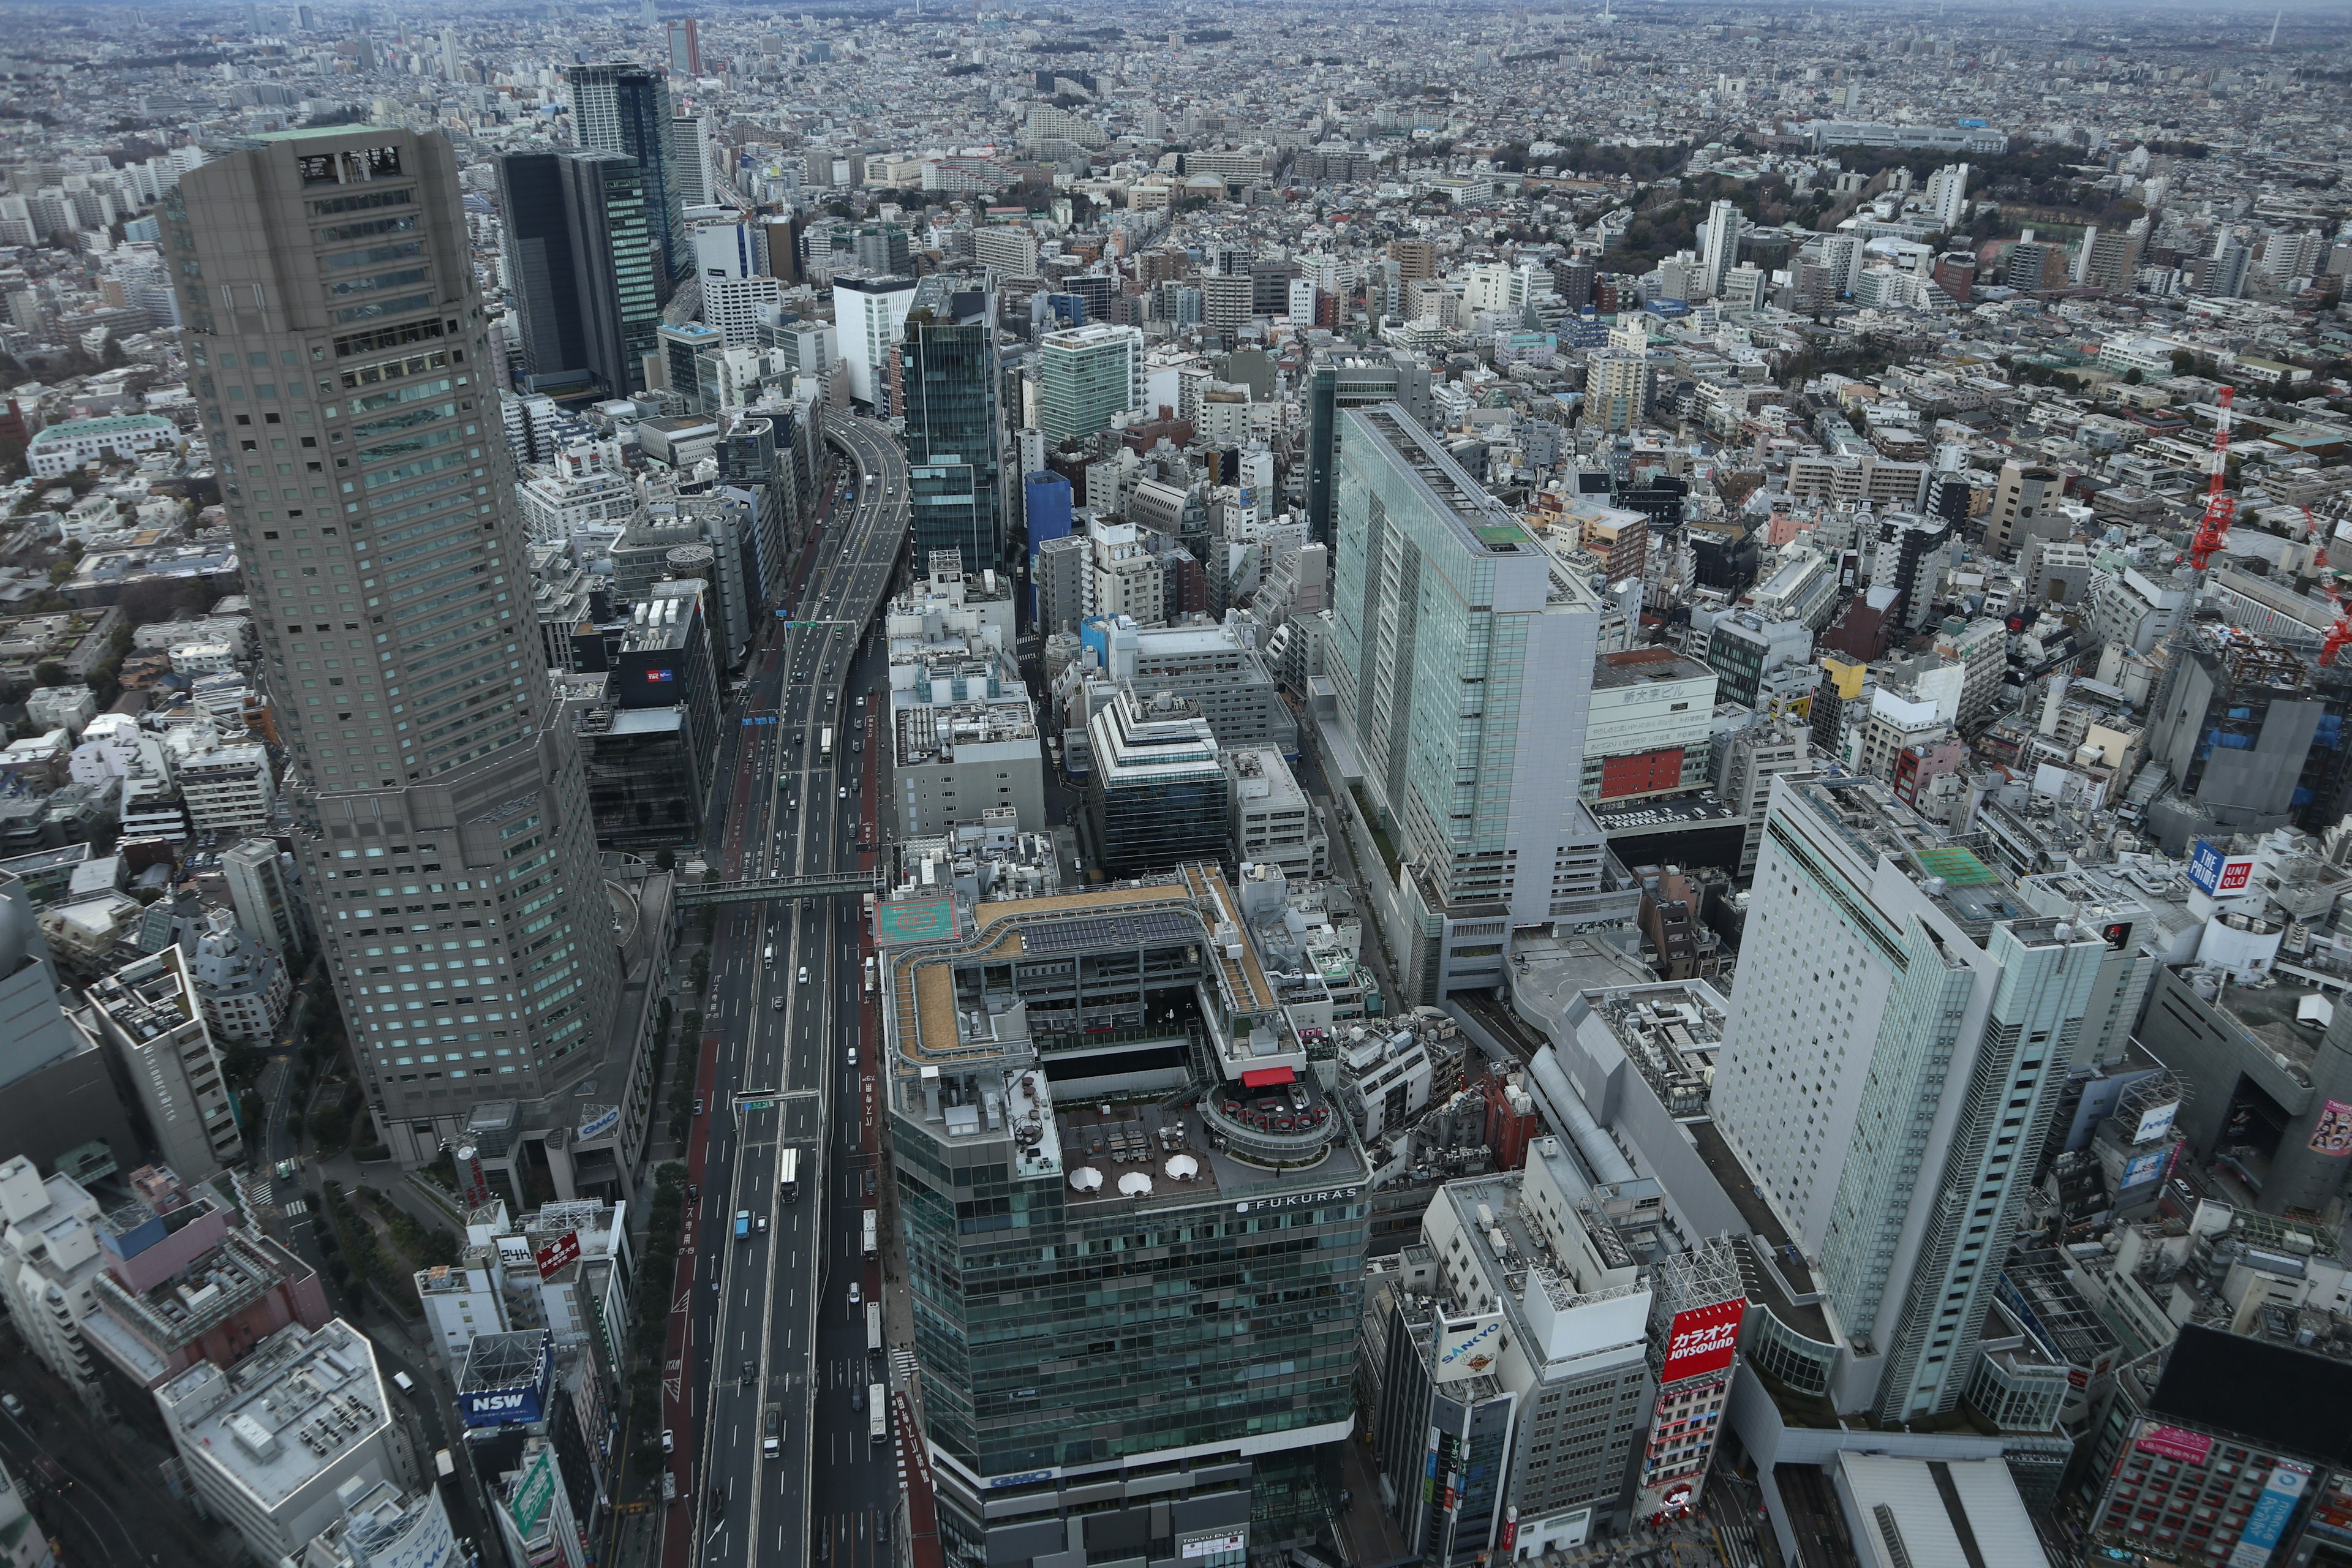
(2272, 42)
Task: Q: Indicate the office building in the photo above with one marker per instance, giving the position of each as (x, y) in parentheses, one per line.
(1142, 1081)
(690, 136)
(1211, 664)
(56, 1092)
(1352, 381)
(2026, 506)
(1272, 822)
(1155, 788)
(737, 306)
(685, 40)
(241, 984)
(484, 788)
(868, 315)
(149, 1014)
(1485, 836)
(1898, 1038)
(946, 370)
(1045, 516)
(1653, 719)
(1086, 376)
(1744, 649)
(625, 107)
(959, 756)
(649, 747)
(586, 284)
(261, 891)
(1546, 1374)
(1061, 573)
(270, 1442)
(182, 1280)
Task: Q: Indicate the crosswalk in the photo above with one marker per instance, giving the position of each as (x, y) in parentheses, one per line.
(902, 1366)
(294, 1208)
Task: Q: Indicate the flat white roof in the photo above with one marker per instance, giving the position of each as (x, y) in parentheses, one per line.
(1947, 1513)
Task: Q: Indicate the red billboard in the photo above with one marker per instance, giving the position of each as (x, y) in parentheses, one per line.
(1704, 1339)
(558, 1254)
(2172, 1443)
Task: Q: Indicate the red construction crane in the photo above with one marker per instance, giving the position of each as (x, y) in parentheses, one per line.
(2221, 510)
(2339, 636)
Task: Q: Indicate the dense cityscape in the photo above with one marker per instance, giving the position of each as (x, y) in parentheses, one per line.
(909, 787)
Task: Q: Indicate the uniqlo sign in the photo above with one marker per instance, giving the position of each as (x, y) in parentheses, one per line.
(1704, 1339)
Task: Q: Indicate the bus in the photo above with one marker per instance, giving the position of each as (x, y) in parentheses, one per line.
(825, 744)
(878, 1412)
(787, 1174)
(870, 1247)
(874, 1332)
(869, 975)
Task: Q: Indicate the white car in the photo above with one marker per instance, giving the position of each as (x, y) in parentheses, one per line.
(803, 973)
(844, 793)
(669, 1444)
(855, 1295)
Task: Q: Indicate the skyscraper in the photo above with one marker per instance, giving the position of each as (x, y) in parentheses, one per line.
(1722, 245)
(585, 273)
(1085, 375)
(1462, 669)
(868, 314)
(339, 362)
(1167, 1394)
(946, 390)
(626, 108)
(685, 39)
(1897, 1041)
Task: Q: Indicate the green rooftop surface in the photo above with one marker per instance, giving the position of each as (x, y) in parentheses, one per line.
(901, 921)
(1958, 868)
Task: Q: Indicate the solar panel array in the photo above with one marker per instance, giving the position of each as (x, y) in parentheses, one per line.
(1100, 932)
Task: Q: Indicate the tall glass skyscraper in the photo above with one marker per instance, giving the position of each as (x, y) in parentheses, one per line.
(585, 277)
(341, 362)
(1462, 658)
(947, 389)
(1085, 376)
(625, 107)
(1134, 1227)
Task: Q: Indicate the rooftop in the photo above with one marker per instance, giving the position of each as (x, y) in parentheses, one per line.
(276, 1420)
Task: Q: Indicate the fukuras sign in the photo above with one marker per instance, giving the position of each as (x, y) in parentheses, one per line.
(1298, 1200)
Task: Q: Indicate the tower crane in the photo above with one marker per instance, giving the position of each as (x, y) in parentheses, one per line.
(2221, 510)
(2339, 635)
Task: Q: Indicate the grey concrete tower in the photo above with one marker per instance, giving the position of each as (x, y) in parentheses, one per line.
(337, 353)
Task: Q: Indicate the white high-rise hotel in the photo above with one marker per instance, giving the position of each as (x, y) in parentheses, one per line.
(1898, 1038)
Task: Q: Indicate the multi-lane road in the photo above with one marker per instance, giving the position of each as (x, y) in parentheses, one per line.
(770, 1328)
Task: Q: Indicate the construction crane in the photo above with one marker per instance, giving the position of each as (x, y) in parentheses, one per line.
(2339, 635)
(2221, 510)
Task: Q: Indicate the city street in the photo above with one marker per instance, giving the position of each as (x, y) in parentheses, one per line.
(764, 1328)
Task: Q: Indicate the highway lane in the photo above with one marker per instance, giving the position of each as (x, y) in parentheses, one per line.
(786, 987)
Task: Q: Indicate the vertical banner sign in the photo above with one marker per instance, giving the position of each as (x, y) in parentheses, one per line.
(2266, 1526)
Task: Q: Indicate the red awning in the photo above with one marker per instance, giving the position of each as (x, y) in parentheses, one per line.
(1267, 1077)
